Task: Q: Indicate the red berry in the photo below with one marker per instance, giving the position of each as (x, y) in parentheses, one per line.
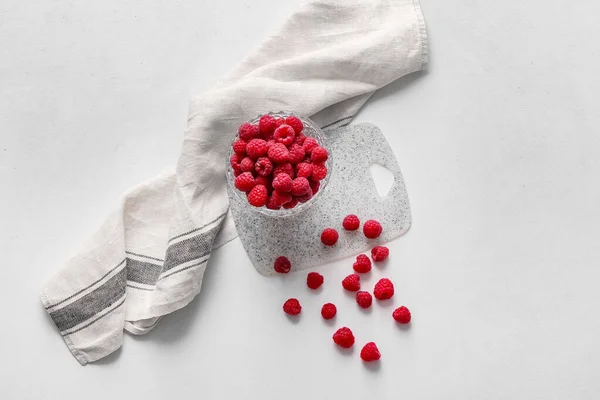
(291, 204)
(362, 264)
(266, 125)
(351, 283)
(279, 154)
(282, 183)
(328, 310)
(263, 166)
(300, 138)
(372, 229)
(329, 236)
(279, 122)
(258, 196)
(265, 181)
(314, 280)
(364, 299)
(292, 307)
(270, 143)
(306, 197)
(280, 199)
(296, 154)
(314, 186)
(351, 222)
(234, 160)
(319, 172)
(309, 144)
(379, 253)
(247, 165)
(285, 168)
(343, 337)
(245, 182)
(295, 123)
(304, 170)
(272, 204)
(284, 134)
(319, 154)
(237, 173)
(300, 186)
(370, 352)
(402, 315)
(247, 131)
(256, 148)
(282, 265)
(384, 289)
(239, 147)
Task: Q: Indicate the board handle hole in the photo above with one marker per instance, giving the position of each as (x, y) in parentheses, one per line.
(383, 179)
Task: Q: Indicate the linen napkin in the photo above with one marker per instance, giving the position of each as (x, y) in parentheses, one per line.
(148, 258)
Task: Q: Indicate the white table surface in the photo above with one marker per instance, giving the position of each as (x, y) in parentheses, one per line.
(499, 144)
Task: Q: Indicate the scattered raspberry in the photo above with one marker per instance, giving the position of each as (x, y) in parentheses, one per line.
(328, 310)
(379, 253)
(304, 170)
(309, 144)
(314, 280)
(282, 183)
(263, 166)
(295, 123)
(258, 196)
(319, 154)
(266, 125)
(280, 199)
(282, 265)
(292, 307)
(279, 122)
(285, 168)
(300, 138)
(239, 147)
(297, 153)
(266, 182)
(351, 283)
(300, 186)
(245, 182)
(372, 229)
(384, 289)
(284, 134)
(278, 153)
(319, 172)
(351, 222)
(291, 204)
(314, 186)
(329, 236)
(370, 352)
(402, 315)
(247, 131)
(362, 264)
(247, 165)
(256, 148)
(364, 299)
(234, 160)
(272, 204)
(306, 197)
(343, 337)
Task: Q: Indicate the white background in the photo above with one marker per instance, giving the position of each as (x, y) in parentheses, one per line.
(499, 144)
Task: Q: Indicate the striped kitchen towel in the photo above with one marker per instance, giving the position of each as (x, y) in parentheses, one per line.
(148, 258)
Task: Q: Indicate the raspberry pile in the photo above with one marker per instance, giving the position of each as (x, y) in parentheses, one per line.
(275, 164)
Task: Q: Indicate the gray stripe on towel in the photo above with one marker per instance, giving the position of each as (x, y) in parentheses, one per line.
(143, 272)
(190, 249)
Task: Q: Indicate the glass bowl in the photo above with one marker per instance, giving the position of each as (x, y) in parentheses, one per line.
(310, 130)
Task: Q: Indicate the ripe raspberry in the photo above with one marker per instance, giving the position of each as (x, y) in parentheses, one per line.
(279, 154)
(372, 229)
(256, 148)
(265, 181)
(291, 204)
(245, 182)
(279, 122)
(343, 337)
(314, 280)
(328, 310)
(319, 154)
(296, 153)
(263, 166)
(304, 170)
(280, 199)
(285, 168)
(370, 352)
(295, 123)
(364, 299)
(284, 134)
(247, 165)
(272, 204)
(314, 186)
(379, 253)
(351, 283)
(282, 265)
(247, 131)
(258, 196)
(309, 144)
(351, 222)
(237, 173)
(292, 307)
(234, 160)
(266, 125)
(402, 315)
(329, 236)
(282, 183)
(300, 138)
(300, 187)
(270, 143)
(239, 147)
(384, 289)
(319, 172)
(306, 197)
(362, 264)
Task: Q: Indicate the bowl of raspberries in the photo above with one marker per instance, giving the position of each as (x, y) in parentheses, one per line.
(278, 162)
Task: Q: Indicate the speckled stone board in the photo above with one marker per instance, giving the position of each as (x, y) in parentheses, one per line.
(351, 190)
